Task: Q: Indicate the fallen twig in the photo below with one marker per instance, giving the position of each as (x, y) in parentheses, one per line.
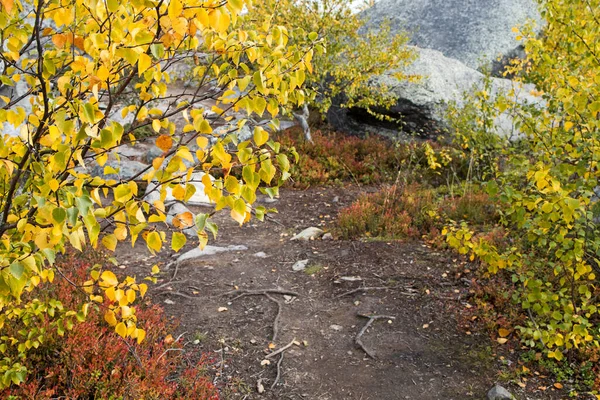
(278, 371)
(367, 288)
(362, 289)
(372, 319)
(258, 292)
(284, 348)
(170, 282)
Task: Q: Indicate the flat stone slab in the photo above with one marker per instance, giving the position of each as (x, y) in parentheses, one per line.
(208, 250)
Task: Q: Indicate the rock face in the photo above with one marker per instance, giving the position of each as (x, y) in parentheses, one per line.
(470, 31)
(422, 105)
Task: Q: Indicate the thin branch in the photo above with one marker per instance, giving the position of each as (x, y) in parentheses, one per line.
(281, 350)
(358, 339)
(278, 371)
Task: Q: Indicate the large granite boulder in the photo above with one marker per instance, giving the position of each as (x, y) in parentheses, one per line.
(471, 31)
(422, 105)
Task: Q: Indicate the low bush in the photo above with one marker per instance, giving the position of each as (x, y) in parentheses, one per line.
(412, 211)
(336, 158)
(91, 361)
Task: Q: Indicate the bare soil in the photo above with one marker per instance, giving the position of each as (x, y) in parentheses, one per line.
(420, 354)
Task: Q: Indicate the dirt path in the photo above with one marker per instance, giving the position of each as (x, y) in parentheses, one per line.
(419, 355)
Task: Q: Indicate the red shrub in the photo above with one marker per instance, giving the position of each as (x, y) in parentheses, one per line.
(92, 361)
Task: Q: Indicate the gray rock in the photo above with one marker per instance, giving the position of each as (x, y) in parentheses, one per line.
(336, 328)
(499, 393)
(300, 265)
(471, 31)
(327, 236)
(152, 153)
(261, 254)
(208, 250)
(422, 105)
(309, 234)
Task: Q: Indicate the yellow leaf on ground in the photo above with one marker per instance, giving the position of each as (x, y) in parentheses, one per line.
(503, 332)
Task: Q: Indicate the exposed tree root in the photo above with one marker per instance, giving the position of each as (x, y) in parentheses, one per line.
(267, 293)
(372, 319)
(278, 372)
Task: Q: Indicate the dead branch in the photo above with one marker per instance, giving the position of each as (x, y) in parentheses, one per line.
(281, 350)
(258, 292)
(363, 289)
(278, 371)
(372, 319)
(170, 282)
(410, 291)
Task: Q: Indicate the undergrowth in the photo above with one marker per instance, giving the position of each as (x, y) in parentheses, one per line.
(336, 159)
(91, 361)
(412, 211)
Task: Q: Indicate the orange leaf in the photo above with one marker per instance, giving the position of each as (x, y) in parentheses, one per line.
(503, 332)
(183, 220)
(59, 40)
(164, 142)
(558, 385)
(8, 5)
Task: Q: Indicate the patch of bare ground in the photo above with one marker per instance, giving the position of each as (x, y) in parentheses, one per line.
(233, 303)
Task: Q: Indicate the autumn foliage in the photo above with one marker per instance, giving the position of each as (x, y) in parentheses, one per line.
(90, 360)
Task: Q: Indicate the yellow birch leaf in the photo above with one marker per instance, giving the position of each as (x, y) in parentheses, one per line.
(144, 62)
(175, 9)
(109, 317)
(109, 278)
(121, 329)
(153, 241)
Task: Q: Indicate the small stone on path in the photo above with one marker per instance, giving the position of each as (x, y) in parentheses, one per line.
(499, 393)
(336, 328)
(208, 250)
(300, 265)
(260, 254)
(309, 234)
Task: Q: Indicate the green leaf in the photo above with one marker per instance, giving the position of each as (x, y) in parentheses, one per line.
(212, 228)
(59, 215)
(178, 241)
(16, 269)
(158, 50)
